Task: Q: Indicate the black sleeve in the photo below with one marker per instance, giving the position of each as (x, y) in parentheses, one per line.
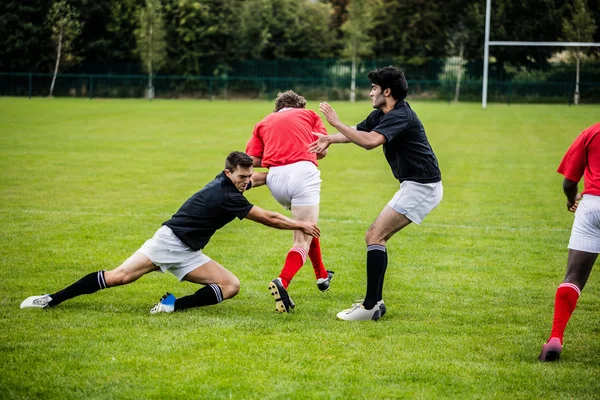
(237, 205)
(393, 124)
(368, 124)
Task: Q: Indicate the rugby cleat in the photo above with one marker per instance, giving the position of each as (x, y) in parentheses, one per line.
(359, 313)
(283, 302)
(380, 304)
(551, 350)
(37, 301)
(166, 304)
(323, 283)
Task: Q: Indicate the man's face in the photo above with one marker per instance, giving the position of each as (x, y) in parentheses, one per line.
(240, 177)
(377, 96)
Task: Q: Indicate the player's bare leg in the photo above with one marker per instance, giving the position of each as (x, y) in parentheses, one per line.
(579, 267)
(220, 284)
(130, 270)
(385, 226)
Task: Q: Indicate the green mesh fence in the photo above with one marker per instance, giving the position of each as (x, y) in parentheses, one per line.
(321, 79)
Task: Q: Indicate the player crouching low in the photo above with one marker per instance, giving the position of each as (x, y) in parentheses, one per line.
(177, 246)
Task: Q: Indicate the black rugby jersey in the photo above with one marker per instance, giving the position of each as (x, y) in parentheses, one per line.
(208, 210)
(407, 149)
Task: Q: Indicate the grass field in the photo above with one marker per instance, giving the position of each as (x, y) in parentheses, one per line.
(469, 292)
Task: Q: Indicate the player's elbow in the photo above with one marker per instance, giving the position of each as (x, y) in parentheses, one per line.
(369, 145)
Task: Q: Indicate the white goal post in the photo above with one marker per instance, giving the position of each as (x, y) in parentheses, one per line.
(488, 43)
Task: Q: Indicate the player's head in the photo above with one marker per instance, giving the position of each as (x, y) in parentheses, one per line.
(238, 168)
(390, 78)
(289, 99)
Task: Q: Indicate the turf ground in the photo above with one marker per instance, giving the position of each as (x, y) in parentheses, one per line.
(469, 292)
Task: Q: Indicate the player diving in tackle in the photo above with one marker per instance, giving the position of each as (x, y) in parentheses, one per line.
(177, 246)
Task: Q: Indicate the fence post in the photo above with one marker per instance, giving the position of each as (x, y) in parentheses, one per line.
(30, 86)
(91, 87)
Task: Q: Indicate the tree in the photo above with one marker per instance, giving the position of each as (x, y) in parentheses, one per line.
(24, 45)
(253, 35)
(151, 43)
(579, 28)
(339, 16)
(300, 29)
(65, 26)
(411, 30)
(201, 35)
(463, 32)
(525, 20)
(357, 42)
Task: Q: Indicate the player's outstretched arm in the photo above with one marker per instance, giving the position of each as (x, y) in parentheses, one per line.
(320, 145)
(279, 221)
(366, 140)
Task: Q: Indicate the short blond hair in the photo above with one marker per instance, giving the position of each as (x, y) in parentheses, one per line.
(289, 99)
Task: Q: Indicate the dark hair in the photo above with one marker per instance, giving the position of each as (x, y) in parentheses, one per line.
(237, 159)
(289, 99)
(392, 78)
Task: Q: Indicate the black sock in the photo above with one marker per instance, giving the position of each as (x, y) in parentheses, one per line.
(207, 296)
(385, 262)
(376, 265)
(90, 283)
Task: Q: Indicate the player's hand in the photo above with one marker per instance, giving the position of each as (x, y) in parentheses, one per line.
(573, 206)
(319, 145)
(311, 229)
(330, 114)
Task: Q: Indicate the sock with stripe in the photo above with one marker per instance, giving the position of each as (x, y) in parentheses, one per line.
(314, 253)
(293, 262)
(89, 284)
(565, 301)
(376, 266)
(207, 296)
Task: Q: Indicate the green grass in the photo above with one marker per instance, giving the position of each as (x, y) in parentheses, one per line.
(469, 292)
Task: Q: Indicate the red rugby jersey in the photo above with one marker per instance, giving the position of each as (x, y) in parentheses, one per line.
(583, 159)
(282, 138)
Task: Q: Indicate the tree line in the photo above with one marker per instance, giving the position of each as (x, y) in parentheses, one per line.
(204, 37)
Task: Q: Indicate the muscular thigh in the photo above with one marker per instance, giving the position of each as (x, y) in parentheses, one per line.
(385, 226)
(133, 268)
(304, 213)
(210, 272)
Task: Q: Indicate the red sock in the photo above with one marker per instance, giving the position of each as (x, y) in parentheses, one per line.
(314, 252)
(293, 262)
(565, 301)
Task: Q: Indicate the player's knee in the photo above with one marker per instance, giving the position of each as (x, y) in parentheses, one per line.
(231, 288)
(116, 278)
(371, 237)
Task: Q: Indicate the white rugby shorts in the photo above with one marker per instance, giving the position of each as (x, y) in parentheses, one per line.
(415, 200)
(297, 184)
(167, 252)
(585, 235)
